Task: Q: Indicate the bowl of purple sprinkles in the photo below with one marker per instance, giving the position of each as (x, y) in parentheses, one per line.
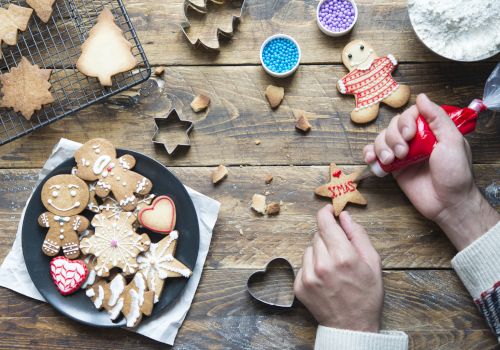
(336, 17)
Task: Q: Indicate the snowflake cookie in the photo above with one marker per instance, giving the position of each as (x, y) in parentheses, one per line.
(115, 244)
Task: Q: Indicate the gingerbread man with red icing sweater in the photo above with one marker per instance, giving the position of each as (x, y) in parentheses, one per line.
(370, 81)
(64, 196)
(96, 160)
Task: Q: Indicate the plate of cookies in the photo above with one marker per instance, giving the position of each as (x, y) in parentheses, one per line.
(110, 237)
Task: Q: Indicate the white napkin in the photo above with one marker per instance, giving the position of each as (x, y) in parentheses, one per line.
(164, 327)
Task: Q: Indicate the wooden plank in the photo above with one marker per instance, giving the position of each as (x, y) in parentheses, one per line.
(245, 240)
(239, 114)
(385, 25)
(435, 314)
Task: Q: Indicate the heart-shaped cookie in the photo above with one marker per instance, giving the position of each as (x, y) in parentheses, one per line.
(273, 285)
(160, 216)
(68, 275)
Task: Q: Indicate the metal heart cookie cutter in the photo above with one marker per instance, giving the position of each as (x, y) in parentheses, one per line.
(273, 285)
(203, 9)
(166, 122)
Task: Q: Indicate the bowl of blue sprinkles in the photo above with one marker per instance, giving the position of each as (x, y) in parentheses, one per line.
(280, 55)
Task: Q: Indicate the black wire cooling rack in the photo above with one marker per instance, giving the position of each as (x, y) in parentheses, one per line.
(56, 45)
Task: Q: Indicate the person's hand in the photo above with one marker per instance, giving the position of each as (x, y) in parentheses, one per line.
(340, 281)
(443, 188)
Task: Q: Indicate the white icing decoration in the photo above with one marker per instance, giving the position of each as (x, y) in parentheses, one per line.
(70, 186)
(100, 164)
(104, 185)
(45, 220)
(124, 184)
(90, 293)
(62, 219)
(75, 205)
(61, 237)
(116, 286)
(115, 311)
(61, 230)
(55, 194)
(57, 187)
(124, 164)
(141, 185)
(127, 200)
(76, 223)
(100, 298)
(72, 193)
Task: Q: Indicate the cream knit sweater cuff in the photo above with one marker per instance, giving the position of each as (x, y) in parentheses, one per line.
(342, 339)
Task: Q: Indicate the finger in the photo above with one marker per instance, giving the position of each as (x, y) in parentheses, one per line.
(320, 251)
(383, 151)
(407, 123)
(439, 122)
(331, 233)
(369, 154)
(360, 240)
(309, 278)
(395, 140)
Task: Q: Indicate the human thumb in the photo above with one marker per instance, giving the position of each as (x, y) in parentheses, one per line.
(440, 123)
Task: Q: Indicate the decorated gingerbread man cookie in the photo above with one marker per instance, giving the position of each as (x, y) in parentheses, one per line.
(96, 160)
(64, 196)
(115, 243)
(117, 297)
(159, 263)
(370, 81)
(342, 189)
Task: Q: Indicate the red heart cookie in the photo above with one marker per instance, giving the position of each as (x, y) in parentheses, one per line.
(68, 275)
(159, 216)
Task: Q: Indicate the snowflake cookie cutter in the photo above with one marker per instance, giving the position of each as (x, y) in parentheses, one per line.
(203, 9)
(165, 122)
(257, 280)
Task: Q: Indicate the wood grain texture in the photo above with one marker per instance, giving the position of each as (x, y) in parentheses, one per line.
(244, 239)
(239, 114)
(436, 315)
(157, 25)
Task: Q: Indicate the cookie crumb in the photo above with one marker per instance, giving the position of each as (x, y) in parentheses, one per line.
(219, 174)
(275, 95)
(241, 231)
(259, 203)
(159, 71)
(303, 124)
(257, 142)
(268, 179)
(200, 103)
(273, 209)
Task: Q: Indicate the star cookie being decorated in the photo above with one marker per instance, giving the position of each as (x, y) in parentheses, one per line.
(342, 189)
(26, 88)
(115, 243)
(158, 263)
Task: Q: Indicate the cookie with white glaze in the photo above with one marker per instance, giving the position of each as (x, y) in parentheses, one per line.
(64, 196)
(96, 160)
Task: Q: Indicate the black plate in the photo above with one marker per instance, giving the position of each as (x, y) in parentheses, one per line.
(78, 306)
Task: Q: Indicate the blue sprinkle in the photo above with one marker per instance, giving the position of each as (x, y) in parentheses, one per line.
(280, 55)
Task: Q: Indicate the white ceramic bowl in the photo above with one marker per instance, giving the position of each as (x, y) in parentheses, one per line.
(328, 31)
(270, 72)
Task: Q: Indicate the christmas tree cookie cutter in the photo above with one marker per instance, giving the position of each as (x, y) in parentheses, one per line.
(166, 122)
(203, 9)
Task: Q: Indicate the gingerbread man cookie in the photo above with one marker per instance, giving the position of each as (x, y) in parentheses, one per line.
(64, 196)
(342, 189)
(115, 243)
(96, 160)
(370, 81)
(132, 300)
(159, 263)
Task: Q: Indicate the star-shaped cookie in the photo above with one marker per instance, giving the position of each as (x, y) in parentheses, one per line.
(342, 189)
(26, 88)
(159, 263)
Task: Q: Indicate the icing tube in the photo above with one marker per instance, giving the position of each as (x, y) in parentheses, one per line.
(421, 146)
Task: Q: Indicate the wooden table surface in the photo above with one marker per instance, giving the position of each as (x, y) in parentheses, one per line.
(423, 295)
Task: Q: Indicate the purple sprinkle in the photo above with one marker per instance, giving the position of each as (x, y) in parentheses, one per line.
(336, 15)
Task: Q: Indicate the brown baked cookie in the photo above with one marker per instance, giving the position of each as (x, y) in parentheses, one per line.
(370, 81)
(115, 243)
(26, 88)
(117, 297)
(11, 20)
(64, 196)
(43, 8)
(96, 160)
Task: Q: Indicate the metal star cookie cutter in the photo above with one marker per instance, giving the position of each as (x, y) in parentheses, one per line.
(203, 9)
(172, 118)
(258, 280)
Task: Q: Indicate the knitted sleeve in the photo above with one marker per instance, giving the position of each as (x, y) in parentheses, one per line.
(342, 339)
(478, 266)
